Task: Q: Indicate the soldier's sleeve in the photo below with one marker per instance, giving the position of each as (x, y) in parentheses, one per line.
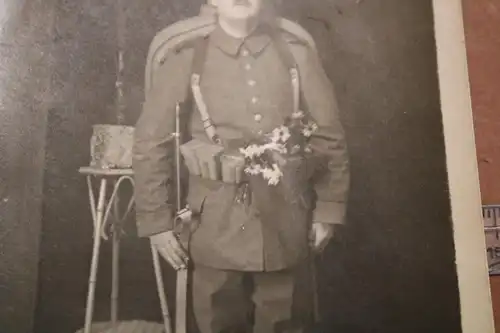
(154, 149)
(332, 175)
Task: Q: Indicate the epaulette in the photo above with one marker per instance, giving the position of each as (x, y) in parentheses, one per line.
(183, 35)
(186, 45)
(293, 39)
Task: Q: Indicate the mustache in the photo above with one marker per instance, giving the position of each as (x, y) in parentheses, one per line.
(245, 3)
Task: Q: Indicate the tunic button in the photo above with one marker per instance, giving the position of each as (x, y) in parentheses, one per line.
(254, 100)
(257, 117)
(251, 83)
(244, 52)
(248, 67)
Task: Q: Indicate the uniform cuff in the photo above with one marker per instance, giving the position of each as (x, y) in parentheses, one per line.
(329, 212)
(152, 223)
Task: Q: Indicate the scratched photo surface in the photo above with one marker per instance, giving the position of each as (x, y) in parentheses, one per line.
(389, 268)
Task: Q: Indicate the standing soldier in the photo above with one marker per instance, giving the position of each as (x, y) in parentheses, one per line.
(239, 82)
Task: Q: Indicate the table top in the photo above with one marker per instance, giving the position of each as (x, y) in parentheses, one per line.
(95, 171)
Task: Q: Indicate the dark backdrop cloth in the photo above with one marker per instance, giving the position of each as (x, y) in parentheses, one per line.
(25, 76)
(392, 267)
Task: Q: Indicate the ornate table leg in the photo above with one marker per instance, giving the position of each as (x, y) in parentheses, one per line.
(98, 217)
(116, 229)
(161, 289)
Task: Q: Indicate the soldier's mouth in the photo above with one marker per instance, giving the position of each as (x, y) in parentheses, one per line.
(245, 3)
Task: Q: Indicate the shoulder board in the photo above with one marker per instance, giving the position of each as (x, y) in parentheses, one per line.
(293, 39)
(179, 35)
(182, 35)
(294, 33)
(185, 45)
(175, 38)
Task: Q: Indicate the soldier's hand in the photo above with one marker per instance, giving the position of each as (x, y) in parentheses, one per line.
(170, 249)
(320, 236)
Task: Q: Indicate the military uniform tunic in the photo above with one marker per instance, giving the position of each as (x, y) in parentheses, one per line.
(246, 87)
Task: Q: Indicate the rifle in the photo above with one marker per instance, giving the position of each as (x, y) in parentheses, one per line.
(182, 216)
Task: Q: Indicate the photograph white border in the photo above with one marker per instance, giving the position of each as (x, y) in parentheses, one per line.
(463, 176)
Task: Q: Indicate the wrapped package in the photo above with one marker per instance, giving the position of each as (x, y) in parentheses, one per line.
(111, 146)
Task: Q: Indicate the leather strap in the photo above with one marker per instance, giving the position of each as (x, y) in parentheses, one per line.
(199, 58)
(289, 61)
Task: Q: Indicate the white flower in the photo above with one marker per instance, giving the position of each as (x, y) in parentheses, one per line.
(298, 115)
(275, 135)
(280, 134)
(282, 149)
(309, 129)
(253, 169)
(252, 151)
(295, 149)
(274, 146)
(285, 134)
(306, 132)
(272, 175)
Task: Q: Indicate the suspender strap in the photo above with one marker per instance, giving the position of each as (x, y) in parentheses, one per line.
(200, 53)
(289, 61)
(299, 102)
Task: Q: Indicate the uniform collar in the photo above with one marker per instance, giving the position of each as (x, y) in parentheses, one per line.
(254, 43)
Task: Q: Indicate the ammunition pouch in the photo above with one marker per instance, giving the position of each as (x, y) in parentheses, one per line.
(212, 167)
(213, 162)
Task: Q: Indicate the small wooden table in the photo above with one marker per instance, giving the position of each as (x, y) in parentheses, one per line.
(102, 210)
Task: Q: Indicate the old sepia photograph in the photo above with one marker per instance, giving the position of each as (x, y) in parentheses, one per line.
(238, 166)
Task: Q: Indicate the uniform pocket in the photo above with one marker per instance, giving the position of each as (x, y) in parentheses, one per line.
(218, 202)
(205, 192)
(214, 210)
(197, 194)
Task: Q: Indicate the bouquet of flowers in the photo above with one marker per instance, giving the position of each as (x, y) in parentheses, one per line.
(268, 155)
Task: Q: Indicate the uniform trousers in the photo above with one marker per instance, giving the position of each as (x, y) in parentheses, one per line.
(227, 301)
